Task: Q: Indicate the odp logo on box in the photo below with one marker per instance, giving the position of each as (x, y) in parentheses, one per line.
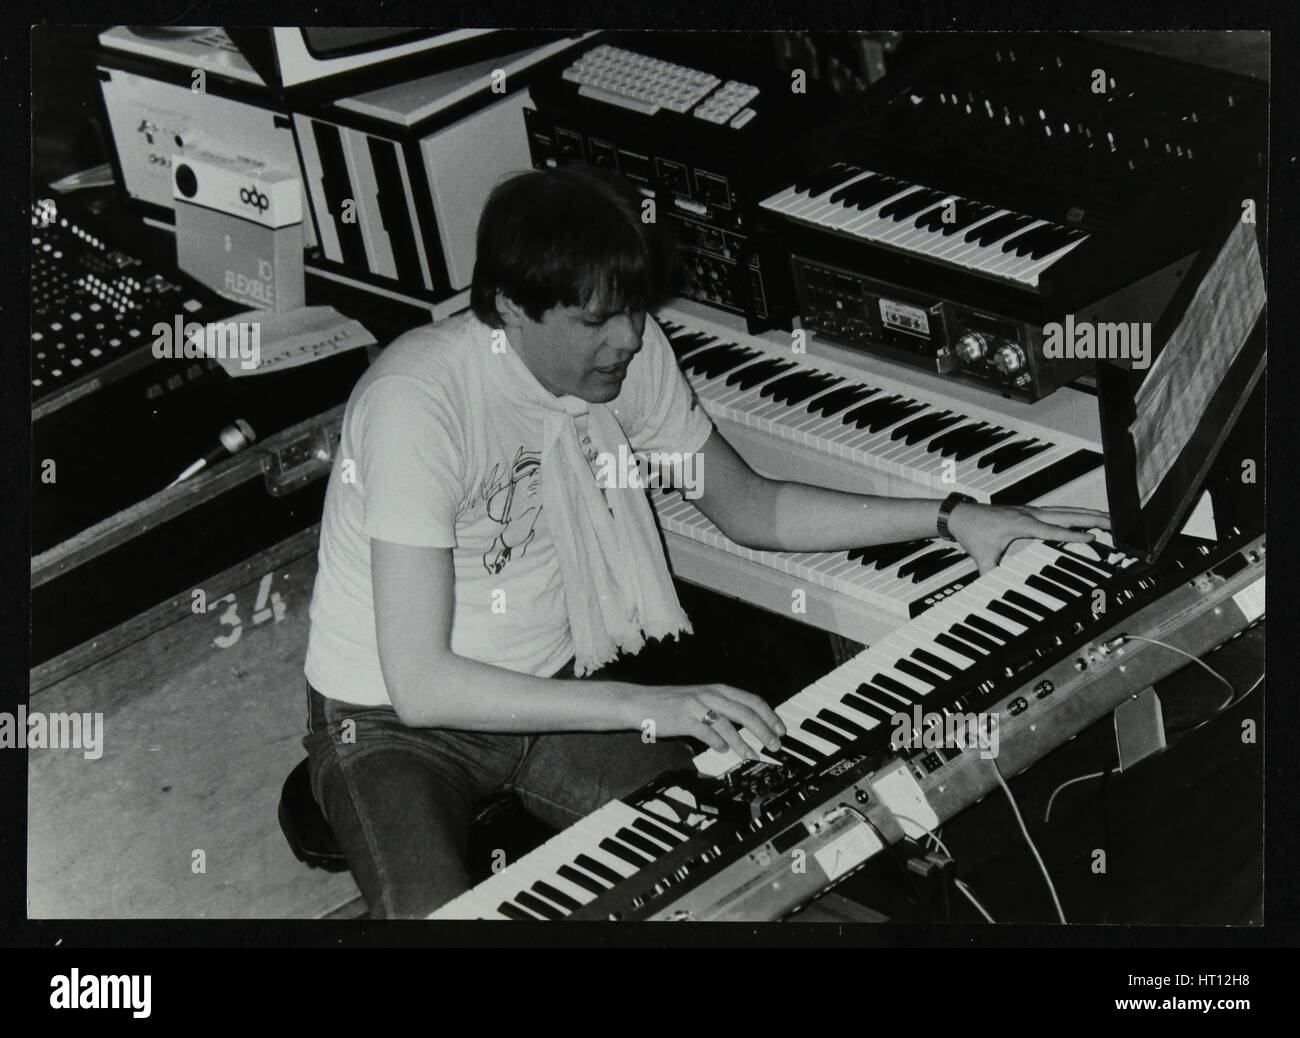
(255, 198)
(266, 196)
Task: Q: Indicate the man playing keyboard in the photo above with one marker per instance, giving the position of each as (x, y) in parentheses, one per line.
(479, 567)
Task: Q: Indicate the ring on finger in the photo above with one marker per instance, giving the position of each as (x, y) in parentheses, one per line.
(710, 717)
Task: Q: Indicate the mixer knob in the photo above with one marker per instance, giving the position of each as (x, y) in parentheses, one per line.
(972, 347)
(1008, 358)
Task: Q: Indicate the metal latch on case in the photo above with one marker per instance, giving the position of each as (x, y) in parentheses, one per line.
(297, 463)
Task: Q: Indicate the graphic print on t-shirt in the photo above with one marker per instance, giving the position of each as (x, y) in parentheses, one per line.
(439, 421)
(516, 512)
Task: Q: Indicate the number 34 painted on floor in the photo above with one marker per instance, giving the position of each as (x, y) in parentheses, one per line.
(269, 606)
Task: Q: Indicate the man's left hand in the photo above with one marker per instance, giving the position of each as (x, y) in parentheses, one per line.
(986, 531)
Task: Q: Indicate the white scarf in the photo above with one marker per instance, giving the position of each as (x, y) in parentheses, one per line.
(617, 587)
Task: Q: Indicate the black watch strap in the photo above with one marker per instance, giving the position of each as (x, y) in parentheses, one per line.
(945, 512)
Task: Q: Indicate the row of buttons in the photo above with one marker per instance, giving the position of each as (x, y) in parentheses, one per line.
(727, 102)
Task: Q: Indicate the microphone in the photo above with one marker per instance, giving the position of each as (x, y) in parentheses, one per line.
(233, 439)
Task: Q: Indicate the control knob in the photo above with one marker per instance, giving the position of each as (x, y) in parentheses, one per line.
(972, 347)
(1008, 358)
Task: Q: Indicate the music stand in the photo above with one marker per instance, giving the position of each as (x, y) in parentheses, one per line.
(1184, 417)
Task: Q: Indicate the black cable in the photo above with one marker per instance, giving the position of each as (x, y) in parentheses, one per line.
(897, 860)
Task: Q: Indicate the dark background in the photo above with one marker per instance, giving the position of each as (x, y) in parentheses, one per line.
(69, 134)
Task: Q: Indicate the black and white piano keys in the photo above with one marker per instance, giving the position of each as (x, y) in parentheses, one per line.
(574, 867)
(883, 429)
(898, 580)
(834, 418)
(959, 232)
(991, 618)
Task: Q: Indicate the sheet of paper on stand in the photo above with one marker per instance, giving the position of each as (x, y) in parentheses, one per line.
(289, 340)
(1173, 396)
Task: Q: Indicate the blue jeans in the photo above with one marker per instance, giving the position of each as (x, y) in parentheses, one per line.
(400, 800)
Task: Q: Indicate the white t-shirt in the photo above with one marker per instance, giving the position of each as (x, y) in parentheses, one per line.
(436, 452)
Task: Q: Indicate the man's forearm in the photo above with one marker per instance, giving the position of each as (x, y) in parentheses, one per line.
(465, 694)
(769, 514)
(779, 516)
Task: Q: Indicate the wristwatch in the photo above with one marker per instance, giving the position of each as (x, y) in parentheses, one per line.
(945, 511)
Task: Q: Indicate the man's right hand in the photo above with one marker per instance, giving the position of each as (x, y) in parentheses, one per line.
(688, 710)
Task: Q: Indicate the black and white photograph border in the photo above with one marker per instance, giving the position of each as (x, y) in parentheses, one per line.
(604, 473)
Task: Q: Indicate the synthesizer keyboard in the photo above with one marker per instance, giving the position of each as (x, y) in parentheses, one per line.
(1024, 645)
(987, 619)
(997, 185)
(890, 436)
(914, 219)
(862, 593)
(805, 417)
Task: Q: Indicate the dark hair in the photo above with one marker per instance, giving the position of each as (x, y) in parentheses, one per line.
(566, 237)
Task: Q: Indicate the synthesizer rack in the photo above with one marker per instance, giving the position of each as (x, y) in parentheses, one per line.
(1024, 645)
(94, 307)
(1003, 184)
(696, 125)
(120, 422)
